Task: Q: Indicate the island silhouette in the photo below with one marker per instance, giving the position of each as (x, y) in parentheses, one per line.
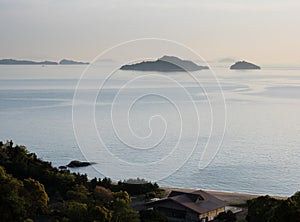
(71, 62)
(29, 62)
(165, 64)
(244, 65)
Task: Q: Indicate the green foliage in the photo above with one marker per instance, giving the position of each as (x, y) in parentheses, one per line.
(36, 198)
(296, 198)
(132, 186)
(29, 182)
(79, 194)
(22, 164)
(12, 203)
(287, 211)
(121, 210)
(269, 209)
(261, 208)
(152, 216)
(75, 211)
(3, 175)
(105, 182)
(123, 213)
(20, 199)
(226, 216)
(122, 195)
(99, 214)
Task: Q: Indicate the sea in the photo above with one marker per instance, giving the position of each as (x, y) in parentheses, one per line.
(217, 129)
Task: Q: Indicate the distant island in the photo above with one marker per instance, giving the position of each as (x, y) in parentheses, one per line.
(244, 65)
(165, 64)
(77, 163)
(71, 62)
(25, 62)
(226, 60)
(29, 62)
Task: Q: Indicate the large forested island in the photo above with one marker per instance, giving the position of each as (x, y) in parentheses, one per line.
(165, 64)
(34, 190)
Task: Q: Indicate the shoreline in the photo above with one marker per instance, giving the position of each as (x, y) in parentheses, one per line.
(232, 198)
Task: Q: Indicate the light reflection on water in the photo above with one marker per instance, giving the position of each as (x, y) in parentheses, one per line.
(259, 154)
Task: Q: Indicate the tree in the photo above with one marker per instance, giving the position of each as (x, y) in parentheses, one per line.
(287, 211)
(296, 198)
(105, 182)
(12, 204)
(79, 194)
(272, 210)
(36, 198)
(102, 196)
(122, 212)
(75, 211)
(99, 214)
(261, 209)
(122, 195)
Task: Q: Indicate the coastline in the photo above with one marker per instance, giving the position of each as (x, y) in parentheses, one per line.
(232, 198)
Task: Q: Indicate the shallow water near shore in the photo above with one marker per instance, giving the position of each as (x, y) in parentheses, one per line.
(259, 152)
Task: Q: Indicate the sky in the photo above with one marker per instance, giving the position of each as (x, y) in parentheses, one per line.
(264, 31)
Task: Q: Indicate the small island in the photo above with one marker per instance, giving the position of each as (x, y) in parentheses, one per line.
(77, 163)
(244, 65)
(165, 64)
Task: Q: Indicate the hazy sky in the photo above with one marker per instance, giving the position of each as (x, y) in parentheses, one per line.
(265, 31)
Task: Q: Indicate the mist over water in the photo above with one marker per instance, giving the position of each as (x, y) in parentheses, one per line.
(259, 153)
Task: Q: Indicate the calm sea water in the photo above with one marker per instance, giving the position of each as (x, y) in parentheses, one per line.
(259, 152)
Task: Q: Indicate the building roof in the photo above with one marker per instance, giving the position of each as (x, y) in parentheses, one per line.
(198, 201)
